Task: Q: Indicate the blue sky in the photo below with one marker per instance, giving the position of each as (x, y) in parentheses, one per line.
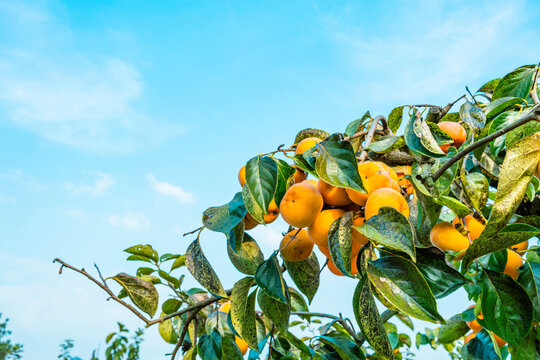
(121, 121)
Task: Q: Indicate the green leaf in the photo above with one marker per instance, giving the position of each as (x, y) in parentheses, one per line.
(506, 307)
(387, 144)
(489, 86)
(335, 163)
(209, 346)
(248, 255)
(357, 126)
(370, 322)
(527, 350)
(270, 278)
(305, 275)
(340, 242)
(516, 172)
(518, 83)
(243, 311)
(510, 235)
(170, 306)
(307, 133)
(473, 116)
(442, 278)
(460, 209)
(529, 278)
(145, 251)
(413, 140)
(403, 285)
(391, 229)
(224, 218)
(261, 179)
(285, 173)
(476, 189)
(230, 350)
(143, 293)
(497, 106)
(167, 331)
(423, 130)
(480, 347)
(297, 301)
(251, 205)
(299, 344)
(179, 262)
(395, 118)
(144, 271)
(346, 349)
(202, 271)
(521, 132)
(454, 329)
(275, 310)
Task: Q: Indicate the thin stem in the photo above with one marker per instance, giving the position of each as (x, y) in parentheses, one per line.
(534, 114)
(472, 96)
(104, 287)
(369, 136)
(279, 149)
(193, 231)
(185, 327)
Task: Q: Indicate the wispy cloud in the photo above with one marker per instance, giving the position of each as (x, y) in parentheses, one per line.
(102, 183)
(131, 221)
(425, 50)
(80, 100)
(18, 176)
(171, 190)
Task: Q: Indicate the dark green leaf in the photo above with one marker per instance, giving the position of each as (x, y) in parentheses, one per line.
(480, 348)
(179, 262)
(270, 278)
(489, 86)
(209, 346)
(476, 189)
(460, 209)
(144, 271)
(357, 126)
(285, 173)
(369, 319)
(473, 116)
(143, 293)
(516, 172)
(305, 274)
(336, 163)
(340, 242)
(307, 133)
(403, 285)
(297, 301)
(423, 130)
(262, 179)
(230, 350)
(395, 118)
(529, 278)
(299, 344)
(275, 310)
(251, 205)
(413, 140)
(521, 132)
(243, 311)
(391, 229)
(170, 306)
(224, 218)
(442, 278)
(202, 271)
(510, 235)
(527, 350)
(248, 255)
(454, 329)
(497, 106)
(517, 83)
(506, 307)
(346, 349)
(387, 144)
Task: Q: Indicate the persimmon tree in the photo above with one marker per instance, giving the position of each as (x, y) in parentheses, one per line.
(411, 216)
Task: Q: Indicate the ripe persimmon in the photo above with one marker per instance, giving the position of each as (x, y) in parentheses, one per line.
(385, 197)
(306, 144)
(301, 205)
(473, 226)
(333, 195)
(456, 132)
(513, 262)
(296, 245)
(446, 237)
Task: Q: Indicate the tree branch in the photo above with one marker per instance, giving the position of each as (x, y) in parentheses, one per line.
(534, 114)
(371, 132)
(104, 287)
(185, 327)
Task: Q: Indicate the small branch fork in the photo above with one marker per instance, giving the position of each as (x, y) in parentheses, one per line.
(371, 133)
(533, 114)
(358, 338)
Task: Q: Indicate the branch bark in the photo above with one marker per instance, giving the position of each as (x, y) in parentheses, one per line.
(533, 115)
(371, 133)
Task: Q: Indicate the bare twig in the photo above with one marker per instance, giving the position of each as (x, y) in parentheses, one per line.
(369, 136)
(362, 133)
(185, 327)
(534, 114)
(448, 106)
(279, 149)
(104, 287)
(194, 231)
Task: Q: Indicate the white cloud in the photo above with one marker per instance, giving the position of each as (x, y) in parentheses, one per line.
(131, 221)
(18, 176)
(102, 183)
(427, 50)
(52, 89)
(171, 190)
